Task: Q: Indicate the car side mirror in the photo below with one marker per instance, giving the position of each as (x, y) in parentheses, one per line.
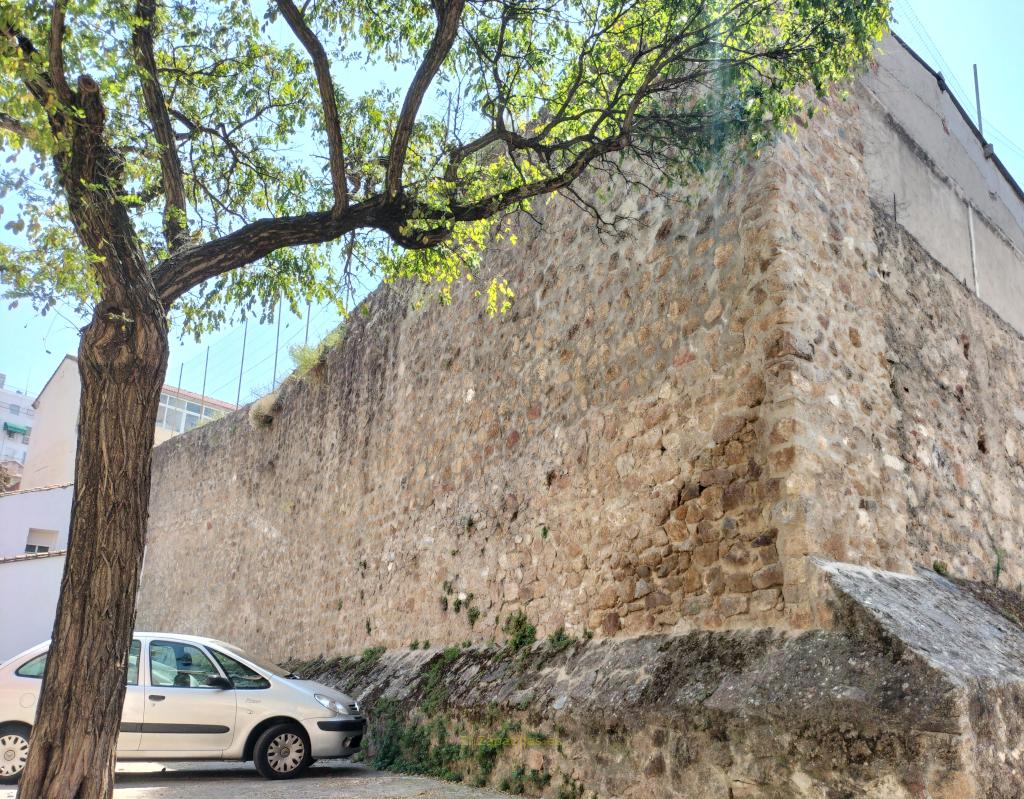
(216, 681)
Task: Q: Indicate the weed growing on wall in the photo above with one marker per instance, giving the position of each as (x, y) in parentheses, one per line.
(559, 641)
(520, 632)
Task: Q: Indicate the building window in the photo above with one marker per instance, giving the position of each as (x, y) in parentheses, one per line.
(15, 431)
(25, 435)
(40, 540)
(179, 415)
(15, 409)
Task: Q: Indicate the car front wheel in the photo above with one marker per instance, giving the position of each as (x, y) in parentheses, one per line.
(13, 752)
(282, 752)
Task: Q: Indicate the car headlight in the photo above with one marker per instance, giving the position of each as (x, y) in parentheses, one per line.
(332, 705)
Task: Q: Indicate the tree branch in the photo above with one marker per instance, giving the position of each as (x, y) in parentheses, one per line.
(55, 54)
(175, 220)
(190, 266)
(36, 80)
(448, 16)
(488, 206)
(328, 99)
(606, 115)
(7, 122)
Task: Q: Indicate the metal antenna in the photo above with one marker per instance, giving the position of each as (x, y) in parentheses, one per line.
(202, 402)
(241, 363)
(986, 147)
(977, 100)
(277, 341)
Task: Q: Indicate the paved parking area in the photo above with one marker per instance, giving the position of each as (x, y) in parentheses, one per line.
(325, 780)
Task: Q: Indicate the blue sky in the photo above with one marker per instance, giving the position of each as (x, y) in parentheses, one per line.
(951, 35)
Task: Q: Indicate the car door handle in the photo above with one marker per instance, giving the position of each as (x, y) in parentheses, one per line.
(156, 698)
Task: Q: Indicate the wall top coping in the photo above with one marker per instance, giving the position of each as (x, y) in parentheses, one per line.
(53, 487)
(33, 556)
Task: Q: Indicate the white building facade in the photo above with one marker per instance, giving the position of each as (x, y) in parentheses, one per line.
(51, 457)
(17, 418)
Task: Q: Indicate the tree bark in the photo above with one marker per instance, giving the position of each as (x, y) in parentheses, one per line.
(122, 361)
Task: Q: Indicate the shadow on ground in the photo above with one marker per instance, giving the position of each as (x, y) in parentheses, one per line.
(326, 780)
(190, 772)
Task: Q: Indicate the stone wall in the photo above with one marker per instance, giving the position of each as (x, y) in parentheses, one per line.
(657, 438)
(601, 457)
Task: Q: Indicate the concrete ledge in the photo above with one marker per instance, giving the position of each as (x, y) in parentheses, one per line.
(945, 624)
(914, 693)
(34, 556)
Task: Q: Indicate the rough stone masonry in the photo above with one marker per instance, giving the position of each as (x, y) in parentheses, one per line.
(812, 357)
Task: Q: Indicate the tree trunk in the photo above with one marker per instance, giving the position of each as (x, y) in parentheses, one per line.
(122, 360)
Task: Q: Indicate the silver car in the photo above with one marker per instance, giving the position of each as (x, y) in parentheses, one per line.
(191, 698)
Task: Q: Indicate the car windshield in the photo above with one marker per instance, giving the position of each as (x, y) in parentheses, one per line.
(273, 668)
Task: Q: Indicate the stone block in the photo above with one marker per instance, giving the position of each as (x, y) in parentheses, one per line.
(764, 600)
(714, 580)
(768, 577)
(610, 623)
(733, 604)
(704, 555)
(738, 583)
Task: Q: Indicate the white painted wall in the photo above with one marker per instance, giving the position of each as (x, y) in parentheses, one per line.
(947, 193)
(41, 509)
(29, 588)
(915, 100)
(51, 452)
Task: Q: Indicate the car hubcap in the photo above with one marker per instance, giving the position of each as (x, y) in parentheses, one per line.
(286, 752)
(13, 754)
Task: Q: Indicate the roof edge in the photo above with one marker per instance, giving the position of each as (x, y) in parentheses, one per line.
(39, 396)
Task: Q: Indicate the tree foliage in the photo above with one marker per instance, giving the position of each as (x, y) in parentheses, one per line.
(259, 150)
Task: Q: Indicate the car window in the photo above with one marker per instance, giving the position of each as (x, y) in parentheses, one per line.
(273, 668)
(37, 665)
(134, 651)
(244, 678)
(33, 668)
(174, 664)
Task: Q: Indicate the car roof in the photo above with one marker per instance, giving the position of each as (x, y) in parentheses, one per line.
(185, 636)
(45, 645)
